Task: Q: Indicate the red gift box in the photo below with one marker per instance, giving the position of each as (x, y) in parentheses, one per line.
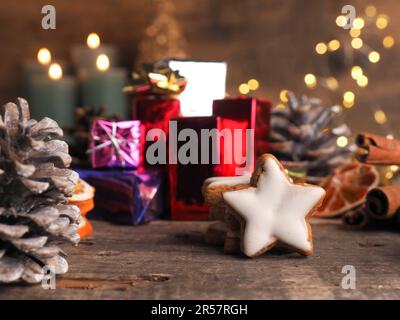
(154, 113)
(244, 113)
(185, 180)
(230, 114)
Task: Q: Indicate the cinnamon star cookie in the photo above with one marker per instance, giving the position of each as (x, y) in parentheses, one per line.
(274, 209)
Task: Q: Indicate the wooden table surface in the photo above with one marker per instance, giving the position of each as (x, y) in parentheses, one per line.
(170, 260)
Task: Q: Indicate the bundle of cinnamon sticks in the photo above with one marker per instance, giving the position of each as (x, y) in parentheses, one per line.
(382, 203)
(377, 150)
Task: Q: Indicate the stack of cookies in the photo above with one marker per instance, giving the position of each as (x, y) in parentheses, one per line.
(256, 213)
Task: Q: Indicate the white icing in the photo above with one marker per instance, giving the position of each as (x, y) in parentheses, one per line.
(275, 210)
(230, 181)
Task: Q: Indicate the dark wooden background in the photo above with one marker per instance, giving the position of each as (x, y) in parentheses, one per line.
(271, 40)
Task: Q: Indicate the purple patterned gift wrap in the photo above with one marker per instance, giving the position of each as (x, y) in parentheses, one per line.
(125, 196)
(115, 143)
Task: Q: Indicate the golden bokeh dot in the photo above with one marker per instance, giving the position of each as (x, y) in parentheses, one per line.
(348, 104)
(356, 72)
(332, 83)
(342, 141)
(349, 96)
(321, 48)
(310, 80)
(283, 95)
(370, 10)
(380, 117)
(355, 32)
(244, 88)
(374, 57)
(388, 42)
(333, 45)
(341, 21)
(253, 84)
(357, 43)
(382, 21)
(358, 23)
(362, 81)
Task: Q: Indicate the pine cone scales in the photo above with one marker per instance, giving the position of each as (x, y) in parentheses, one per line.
(34, 186)
(303, 136)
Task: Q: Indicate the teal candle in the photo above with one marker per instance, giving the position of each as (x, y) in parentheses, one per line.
(105, 88)
(53, 96)
(84, 57)
(31, 69)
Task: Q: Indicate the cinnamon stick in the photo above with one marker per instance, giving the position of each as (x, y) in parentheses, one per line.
(374, 149)
(383, 202)
(357, 218)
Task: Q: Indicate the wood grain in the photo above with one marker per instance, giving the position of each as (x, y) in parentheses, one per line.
(170, 260)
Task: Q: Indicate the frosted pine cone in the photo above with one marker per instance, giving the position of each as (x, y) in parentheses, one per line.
(34, 186)
(304, 135)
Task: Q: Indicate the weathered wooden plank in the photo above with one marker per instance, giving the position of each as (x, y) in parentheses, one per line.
(170, 260)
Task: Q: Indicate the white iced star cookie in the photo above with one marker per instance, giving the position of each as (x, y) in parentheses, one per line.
(274, 209)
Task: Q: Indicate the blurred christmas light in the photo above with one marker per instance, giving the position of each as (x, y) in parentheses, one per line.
(357, 43)
(362, 81)
(244, 88)
(102, 63)
(388, 42)
(332, 83)
(355, 32)
(348, 96)
(358, 23)
(382, 21)
(55, 71)
(283, 96)
(374, 57)
(390, 136)
(394, 168)
(348, 104)
(253, 84)
(380, 117)
(310, 80)
(370, 10)
(321, 48)
(333, 45)
(342, 141)
(356, 72)
(44, 56)
(341, 21)
(280, 106)
(93, 41)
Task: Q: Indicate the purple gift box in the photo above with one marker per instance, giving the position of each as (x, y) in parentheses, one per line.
(115, 143)
(125, 196)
